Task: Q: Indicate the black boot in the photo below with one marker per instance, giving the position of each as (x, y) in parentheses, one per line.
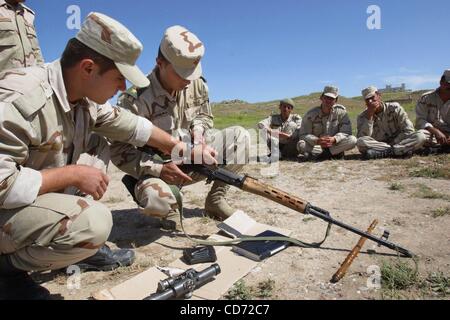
(374, 154)
(107, 260)
(16, 284)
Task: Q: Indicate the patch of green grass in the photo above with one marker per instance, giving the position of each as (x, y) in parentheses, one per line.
(396, 186)
(239, 291)
(438, 283)
(426, 192)
(440, 212)
(431, 172)
(397, 276)
(265, 288)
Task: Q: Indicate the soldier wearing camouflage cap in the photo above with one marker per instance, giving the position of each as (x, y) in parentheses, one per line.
(46, 222)
(326, 130)
(176, 101)
(384, 129)
(433, 116)
(19, 46)
(281, 130)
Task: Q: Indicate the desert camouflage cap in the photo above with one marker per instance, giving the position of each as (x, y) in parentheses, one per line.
(288, 101)
(331, 91)
(447, 75)
(184, 51)
(113, 40)
(369, 92)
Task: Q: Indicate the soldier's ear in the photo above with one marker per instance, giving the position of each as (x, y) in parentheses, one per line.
(87, 67)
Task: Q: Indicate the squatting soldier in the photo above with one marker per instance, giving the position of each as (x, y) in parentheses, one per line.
(281, 130)
(433, 115)
(384, 129)
(19, 46)
(47, 115)
(176, 101)
(326, 130)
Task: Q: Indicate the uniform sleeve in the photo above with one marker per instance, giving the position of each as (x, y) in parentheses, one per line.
(19, 186)
(364, 126)
(345, 129)
(121, 125)
(306, 130)
(265, 124)
(204, 118)
(133, 161)
(422, 115)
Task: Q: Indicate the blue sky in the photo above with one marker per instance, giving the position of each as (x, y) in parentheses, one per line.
(266, 50)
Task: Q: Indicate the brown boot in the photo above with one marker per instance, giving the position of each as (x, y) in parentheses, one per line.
(215, 204)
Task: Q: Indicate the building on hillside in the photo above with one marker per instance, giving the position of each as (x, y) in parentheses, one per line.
(390, 89)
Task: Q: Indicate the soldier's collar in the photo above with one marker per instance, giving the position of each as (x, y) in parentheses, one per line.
(56, 80)
(19, 7)
(158, 89)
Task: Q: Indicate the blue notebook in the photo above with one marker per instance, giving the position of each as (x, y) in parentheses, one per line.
(259, 250)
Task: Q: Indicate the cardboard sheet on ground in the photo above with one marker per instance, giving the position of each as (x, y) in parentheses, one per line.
(233, 266)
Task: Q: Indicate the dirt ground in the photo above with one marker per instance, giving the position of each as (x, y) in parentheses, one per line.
(416, 211)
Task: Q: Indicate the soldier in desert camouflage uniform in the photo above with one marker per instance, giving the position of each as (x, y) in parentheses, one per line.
(384, 129)
(281, 130)
(46, 116)
(176, 101)
(326, 130)
(433, 116)
(19, 46)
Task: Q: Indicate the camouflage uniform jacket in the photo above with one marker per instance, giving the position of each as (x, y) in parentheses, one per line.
(317, 124)
(40, 129)
(431, 111)
(19, 46)
(276, 123)
(178, 115)
(392, 123)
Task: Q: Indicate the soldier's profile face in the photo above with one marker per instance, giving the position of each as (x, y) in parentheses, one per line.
(102, 87)
(170, 80)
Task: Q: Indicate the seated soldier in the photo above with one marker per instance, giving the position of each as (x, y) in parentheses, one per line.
(433, 116)
(326, 130)
(384, 129)
(281, 131)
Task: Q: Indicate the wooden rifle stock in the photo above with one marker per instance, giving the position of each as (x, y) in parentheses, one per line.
(264, 190)
(352, 255)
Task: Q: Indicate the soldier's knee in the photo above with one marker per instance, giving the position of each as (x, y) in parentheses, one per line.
(352, 140)
(96, 224)
(361, 144)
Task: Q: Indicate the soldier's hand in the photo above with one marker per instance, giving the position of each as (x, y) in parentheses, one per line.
(440, 137)
(205, 154)
(91, 181)
(283, 135)
(171, 174)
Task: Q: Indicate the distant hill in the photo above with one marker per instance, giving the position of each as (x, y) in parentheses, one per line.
(238, 112)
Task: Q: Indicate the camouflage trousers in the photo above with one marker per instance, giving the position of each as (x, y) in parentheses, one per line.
(155, 196)
(400, 145)
(287, 149)
(57, 229)
(345, 144)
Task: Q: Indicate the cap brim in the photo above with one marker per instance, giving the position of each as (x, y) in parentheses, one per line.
(331, 95)
(369, 96)
(189, 74)
(133, 74)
